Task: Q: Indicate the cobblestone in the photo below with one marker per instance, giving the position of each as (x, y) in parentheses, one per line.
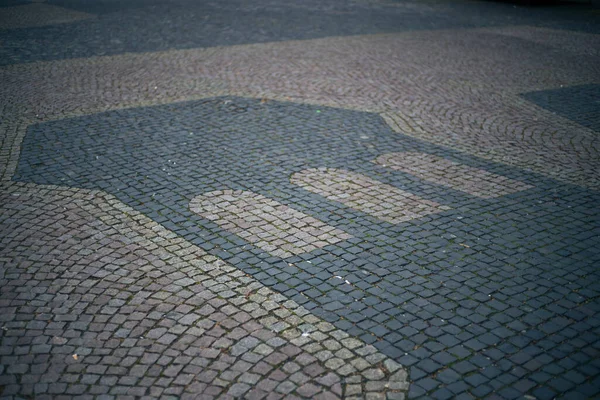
(364, 194)
(269, 225)
(91, 215)
(456, 176)
(125, 124)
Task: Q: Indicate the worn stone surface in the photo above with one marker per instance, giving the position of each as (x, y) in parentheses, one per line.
(99, 299)
(429, 167)
(468, 112)
(111, 125)
(269, 225)
(364, 194)
(578, 103)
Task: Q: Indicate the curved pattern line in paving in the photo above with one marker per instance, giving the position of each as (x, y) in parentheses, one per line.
(475, 110)
(171, 320)
(446, 295)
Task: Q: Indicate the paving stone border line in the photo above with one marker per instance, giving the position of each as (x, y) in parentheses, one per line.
(359, 370)
(467, 114)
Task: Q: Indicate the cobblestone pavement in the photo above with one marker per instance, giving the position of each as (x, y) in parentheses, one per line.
(319, 199)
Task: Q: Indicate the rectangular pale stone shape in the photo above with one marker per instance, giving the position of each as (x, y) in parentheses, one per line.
(266, 223)
(362, 193)
(431, 168)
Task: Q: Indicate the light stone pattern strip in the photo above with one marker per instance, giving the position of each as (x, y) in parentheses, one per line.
(362, 193)
(33, 15)
(451, 99)
(266, 223)
(432, 168)
(153, 295)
